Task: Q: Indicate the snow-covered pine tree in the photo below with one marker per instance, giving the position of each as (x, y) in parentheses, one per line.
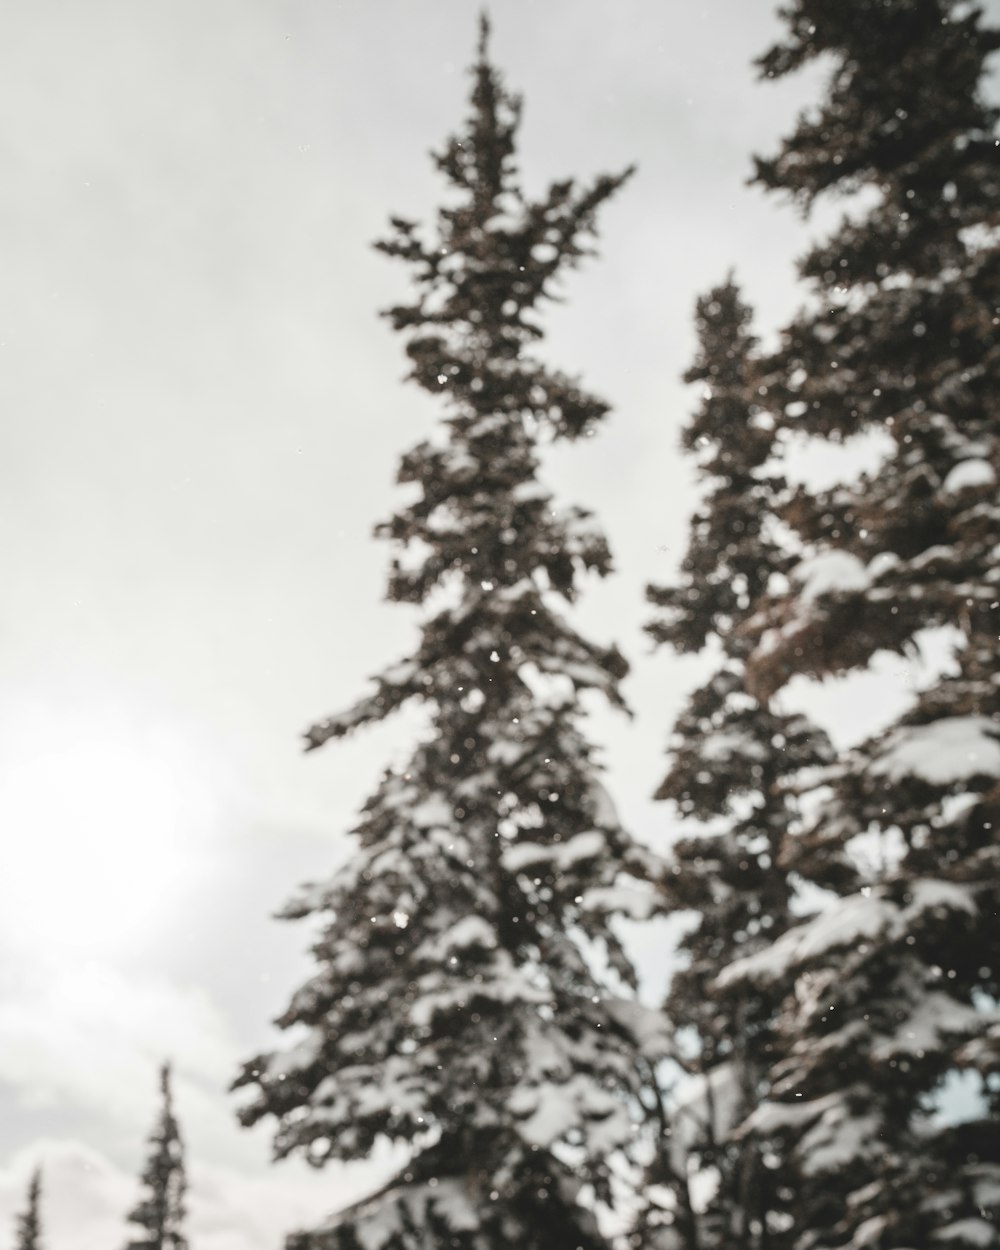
(886, 1096)
(29, 1222)
(458, 1003)
(731, 761)
(159, 1213)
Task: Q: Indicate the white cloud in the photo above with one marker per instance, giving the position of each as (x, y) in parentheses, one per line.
(85, 1199)
(90, 1037)
(232, 1210)
(83, 1195)
(87, 1041)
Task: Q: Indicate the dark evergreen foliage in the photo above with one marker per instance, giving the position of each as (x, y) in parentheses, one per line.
(733, 764)
(159, 1213)
(890, 991)
(732, 549)
(456, 1004)
(29, 1222)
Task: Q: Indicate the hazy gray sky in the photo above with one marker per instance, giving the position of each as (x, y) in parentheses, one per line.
(202, 415)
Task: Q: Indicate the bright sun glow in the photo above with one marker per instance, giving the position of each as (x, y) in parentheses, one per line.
(102, 816)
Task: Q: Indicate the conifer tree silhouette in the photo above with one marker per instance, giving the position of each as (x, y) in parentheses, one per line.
(159, 1213)
(456, 1004)
(734, 762)
(29, 1222)
(889, 990)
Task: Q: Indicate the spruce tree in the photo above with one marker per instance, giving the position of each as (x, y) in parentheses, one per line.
(29, 1222)
(159, 1213)
(733, 762)
(890, 991)
(460, 1002)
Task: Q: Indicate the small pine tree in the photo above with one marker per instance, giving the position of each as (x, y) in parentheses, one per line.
(159, 1214)
(458, 1004)
(733, 762)
(29, 1222)
(890, 991)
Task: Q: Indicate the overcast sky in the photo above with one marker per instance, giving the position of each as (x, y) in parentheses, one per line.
(202, 414)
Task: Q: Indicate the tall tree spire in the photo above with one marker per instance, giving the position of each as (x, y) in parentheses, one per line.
(159, 1213)
(733, 760)
(29, 1222)
(457, 1003)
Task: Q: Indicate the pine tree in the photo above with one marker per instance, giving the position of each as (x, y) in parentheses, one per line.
(891, 990)
(733, 762)
(458, 1003)
(159, 1213)
(29, 1222)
